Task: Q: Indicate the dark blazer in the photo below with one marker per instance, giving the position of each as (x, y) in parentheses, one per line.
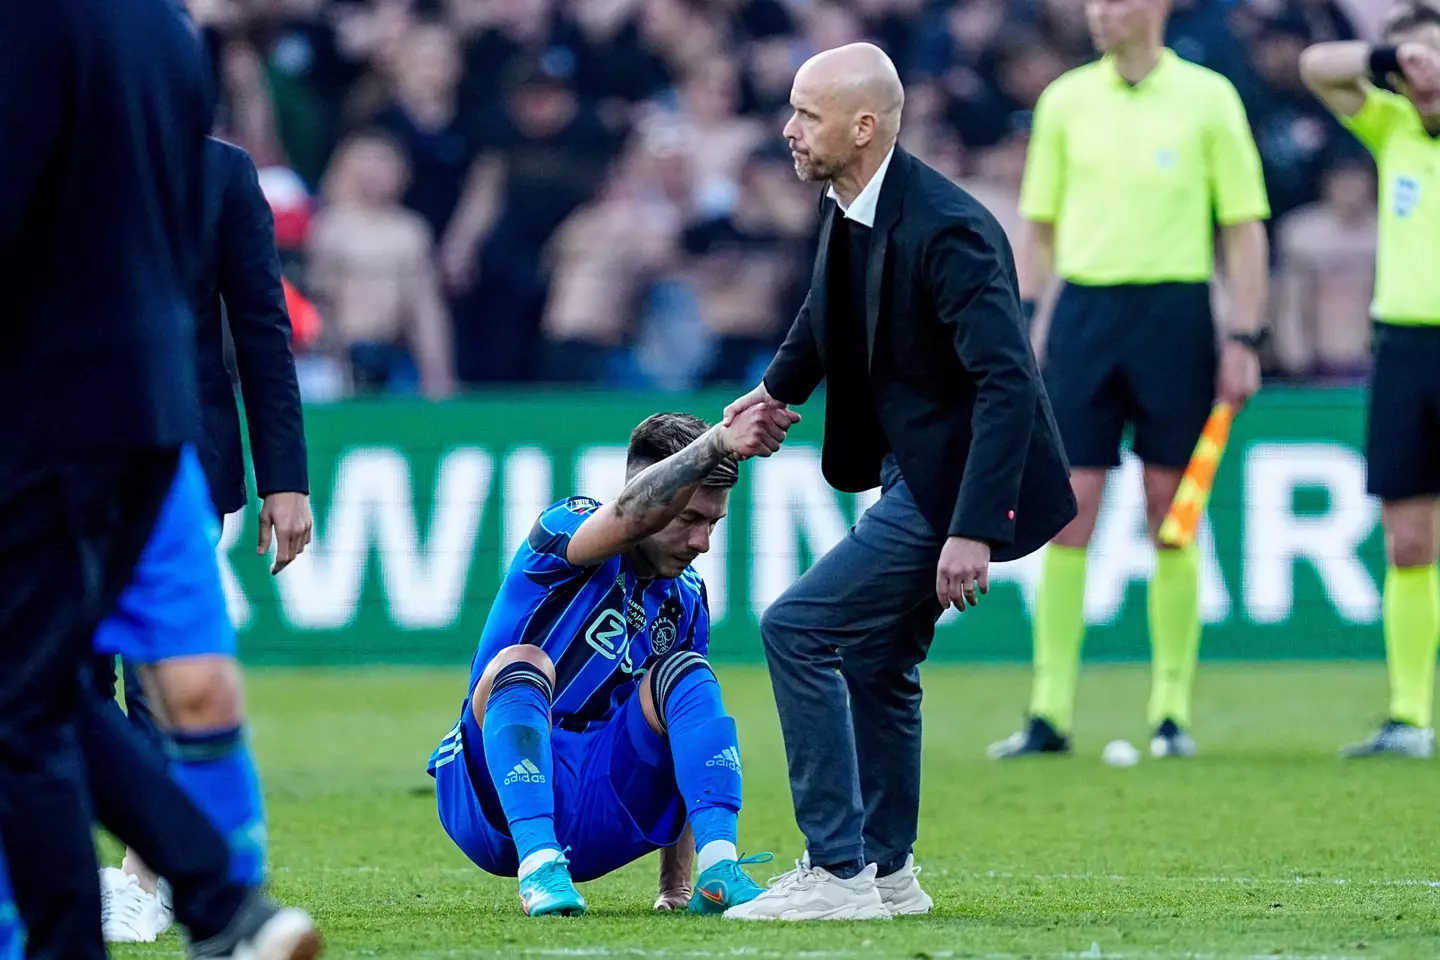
(104, 108)
(956, 393)
(240, 270)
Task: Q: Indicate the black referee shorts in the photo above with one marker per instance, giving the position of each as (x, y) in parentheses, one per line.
(1402, 450)
(1142, 356)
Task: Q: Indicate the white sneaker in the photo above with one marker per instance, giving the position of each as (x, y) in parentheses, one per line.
(901, 893)
(167, 906)
(813, 893)
(127, 913)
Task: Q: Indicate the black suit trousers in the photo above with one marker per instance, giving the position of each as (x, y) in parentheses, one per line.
(70, 535)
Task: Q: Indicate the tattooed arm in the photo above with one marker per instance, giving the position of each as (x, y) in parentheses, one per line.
(659, 493)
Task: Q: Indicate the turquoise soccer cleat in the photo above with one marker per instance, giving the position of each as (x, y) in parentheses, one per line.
(549, 891)
(725, 885)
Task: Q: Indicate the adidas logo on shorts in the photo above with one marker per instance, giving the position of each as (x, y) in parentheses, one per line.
(524, 772)
(728, 758)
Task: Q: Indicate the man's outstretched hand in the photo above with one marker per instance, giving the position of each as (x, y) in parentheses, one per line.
(740, 404)
(757, 430)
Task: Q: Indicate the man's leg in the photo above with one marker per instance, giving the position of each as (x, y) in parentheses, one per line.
(1174, 610)
(68, 539)
(1402, 457)
(1171, 369)
(854, 600)
(512, 705)
(1083, 376)
(883, 681)
(1412, 628)
(1059, 626)
(680, 702)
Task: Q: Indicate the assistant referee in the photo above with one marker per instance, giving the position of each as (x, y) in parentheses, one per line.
(1389, 97)
(1132, 160)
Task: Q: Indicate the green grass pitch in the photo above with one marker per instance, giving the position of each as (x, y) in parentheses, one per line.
(1265, 846)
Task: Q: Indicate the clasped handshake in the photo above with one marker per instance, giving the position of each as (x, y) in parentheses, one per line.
(755, 425)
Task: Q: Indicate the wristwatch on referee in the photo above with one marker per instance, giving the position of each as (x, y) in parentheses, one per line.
(1255, 340)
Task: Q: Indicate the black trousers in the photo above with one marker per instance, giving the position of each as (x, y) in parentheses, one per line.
(70, 535)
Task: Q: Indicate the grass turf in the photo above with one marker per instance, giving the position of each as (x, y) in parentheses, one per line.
(1266, 845)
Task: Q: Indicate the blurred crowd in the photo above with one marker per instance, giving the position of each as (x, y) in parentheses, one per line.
(480, 192)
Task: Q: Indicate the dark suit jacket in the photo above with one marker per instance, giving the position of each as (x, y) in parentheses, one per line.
(240, 270)
(956, 393)
(104, 108)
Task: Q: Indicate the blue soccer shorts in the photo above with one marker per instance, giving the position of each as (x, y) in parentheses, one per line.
(615, 796)
(174, 605)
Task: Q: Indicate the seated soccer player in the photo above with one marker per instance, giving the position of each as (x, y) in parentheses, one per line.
(593, 731)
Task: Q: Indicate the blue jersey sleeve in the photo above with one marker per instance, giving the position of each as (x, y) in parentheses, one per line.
(700, 624)
(542, 558)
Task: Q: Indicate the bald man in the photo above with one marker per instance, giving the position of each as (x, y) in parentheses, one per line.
(914, 321)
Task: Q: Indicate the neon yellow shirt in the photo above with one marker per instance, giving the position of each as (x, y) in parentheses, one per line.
(1407, 266)
(1134, 178)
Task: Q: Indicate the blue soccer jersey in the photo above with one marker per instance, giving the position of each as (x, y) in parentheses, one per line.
(602, 626)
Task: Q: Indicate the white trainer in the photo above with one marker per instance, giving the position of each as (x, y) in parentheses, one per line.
(127, 913)
(167, 906)
(813, 893)
(901, 893)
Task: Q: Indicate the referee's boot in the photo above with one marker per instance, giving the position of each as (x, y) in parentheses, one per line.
(1171, 741)
(1395, 739)
(1039, 736)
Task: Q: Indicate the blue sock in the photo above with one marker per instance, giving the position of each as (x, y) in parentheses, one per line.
(215, 768)
(704, 747)
(518, 756)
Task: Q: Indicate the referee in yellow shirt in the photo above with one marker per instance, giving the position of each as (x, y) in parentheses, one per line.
(1389, 97)
(1132, 161)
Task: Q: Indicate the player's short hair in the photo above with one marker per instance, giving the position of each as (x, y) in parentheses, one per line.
(665, 434)
(1410, 15)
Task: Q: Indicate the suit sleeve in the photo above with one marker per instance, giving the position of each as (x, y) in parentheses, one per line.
(797, 368)
(249, 277)
(34, 78)
(975, 298)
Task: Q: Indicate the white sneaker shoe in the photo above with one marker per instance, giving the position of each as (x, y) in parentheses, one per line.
(167, 906)
(813, 893)
(127, 913)
(901, 893)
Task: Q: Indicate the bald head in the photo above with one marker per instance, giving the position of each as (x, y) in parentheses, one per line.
(848, 103)
(857, 78)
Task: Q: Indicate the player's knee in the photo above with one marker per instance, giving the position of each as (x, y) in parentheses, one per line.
(1088, 485)
(520, 664)
(663, 682)
(200, 692)
(1410, 533)
(1411, 547)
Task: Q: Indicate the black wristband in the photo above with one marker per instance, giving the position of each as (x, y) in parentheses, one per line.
(1384, 64)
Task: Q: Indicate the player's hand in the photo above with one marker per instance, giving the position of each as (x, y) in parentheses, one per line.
(758, 395)
(963, 572)
(288, 517)
(1239, 376)
(1421, 65)
(757, 431)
